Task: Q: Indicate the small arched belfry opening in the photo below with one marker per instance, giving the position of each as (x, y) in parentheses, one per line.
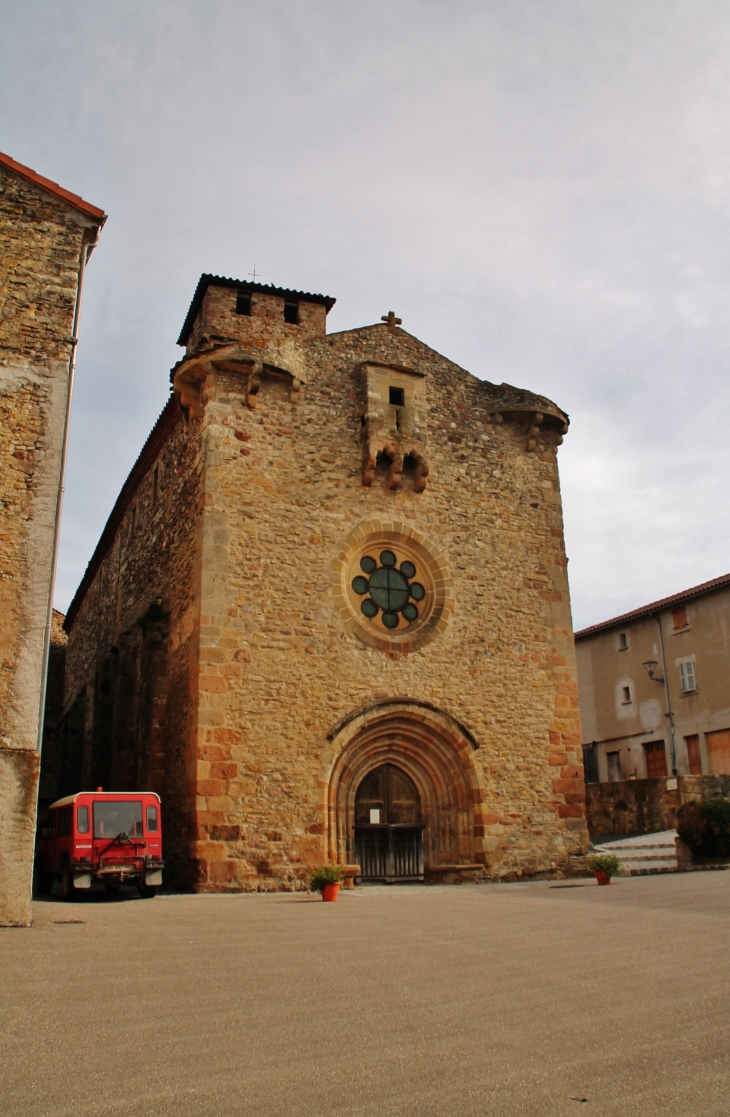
(397, 744)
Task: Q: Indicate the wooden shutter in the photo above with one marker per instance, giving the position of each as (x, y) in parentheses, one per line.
(694, 755)
(656, 759)
(718, 749)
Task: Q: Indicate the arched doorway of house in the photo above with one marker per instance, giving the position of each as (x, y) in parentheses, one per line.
(388, 826)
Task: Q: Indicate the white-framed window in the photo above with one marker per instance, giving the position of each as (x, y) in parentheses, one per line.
(626, 691)
(687, 676)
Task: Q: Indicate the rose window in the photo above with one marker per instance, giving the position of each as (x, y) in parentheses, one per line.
(388, 588)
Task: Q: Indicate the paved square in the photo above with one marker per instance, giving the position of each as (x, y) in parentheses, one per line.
(500, 1000)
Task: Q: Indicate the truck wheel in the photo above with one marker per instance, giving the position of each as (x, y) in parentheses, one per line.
(147, 891)
(68, 890)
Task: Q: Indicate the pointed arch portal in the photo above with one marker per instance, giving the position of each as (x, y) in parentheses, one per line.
(413, 766)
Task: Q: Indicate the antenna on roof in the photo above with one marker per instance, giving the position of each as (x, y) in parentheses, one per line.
(253, 274)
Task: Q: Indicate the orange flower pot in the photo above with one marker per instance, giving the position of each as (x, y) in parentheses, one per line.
(329, 892)
(601, 877)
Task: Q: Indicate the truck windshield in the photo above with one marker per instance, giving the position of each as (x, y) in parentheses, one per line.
(111, 819)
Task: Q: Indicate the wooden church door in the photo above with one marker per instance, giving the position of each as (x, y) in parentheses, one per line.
(388, 829)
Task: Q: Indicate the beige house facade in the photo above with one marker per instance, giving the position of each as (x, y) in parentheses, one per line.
(329, 618)
(46, 236)
(654, 688)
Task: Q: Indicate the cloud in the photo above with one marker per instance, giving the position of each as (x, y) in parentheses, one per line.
(540, 191)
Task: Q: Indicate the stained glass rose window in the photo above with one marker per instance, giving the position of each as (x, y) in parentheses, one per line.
(388, 588)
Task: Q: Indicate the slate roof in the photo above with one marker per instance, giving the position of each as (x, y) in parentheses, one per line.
(655, 606)
(207, 281)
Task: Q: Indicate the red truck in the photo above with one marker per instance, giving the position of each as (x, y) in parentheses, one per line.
(111, 836)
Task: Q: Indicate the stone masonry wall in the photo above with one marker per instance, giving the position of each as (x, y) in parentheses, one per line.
(139, 616)
(630, 807)
(278, 669)
(41, 241)
(231, 570)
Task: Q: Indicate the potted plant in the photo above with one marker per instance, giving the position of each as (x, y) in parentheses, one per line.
(604, 866)
(327, 881)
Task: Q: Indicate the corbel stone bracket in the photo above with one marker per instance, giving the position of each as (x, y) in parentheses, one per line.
(533, 421)
(190, 375)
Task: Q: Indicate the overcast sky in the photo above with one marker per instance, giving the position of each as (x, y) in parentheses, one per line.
(539, 189)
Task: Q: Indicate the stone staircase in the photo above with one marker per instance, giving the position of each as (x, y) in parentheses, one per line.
(647, 854)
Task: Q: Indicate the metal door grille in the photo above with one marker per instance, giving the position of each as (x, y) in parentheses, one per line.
(389, 853)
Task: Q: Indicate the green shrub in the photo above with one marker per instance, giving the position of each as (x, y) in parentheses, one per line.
(705, 827)
(605, 863)
(330, 874)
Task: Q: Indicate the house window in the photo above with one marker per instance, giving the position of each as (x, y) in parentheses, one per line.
(243, 303)
(687, 676)
(614, 766)
(694, 756)
(623, 642)
(396, 396)
(655, 755)
(291, 313)
(626, 695)
(679, 618)
(155, 484)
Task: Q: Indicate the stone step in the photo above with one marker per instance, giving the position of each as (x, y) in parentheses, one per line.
(636, 845)
(645, 870)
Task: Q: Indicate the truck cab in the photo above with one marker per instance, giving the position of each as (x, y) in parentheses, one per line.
(108, 836)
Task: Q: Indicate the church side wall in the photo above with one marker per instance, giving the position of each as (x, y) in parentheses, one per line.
(279, 668)
(40, 249)
(131, 693)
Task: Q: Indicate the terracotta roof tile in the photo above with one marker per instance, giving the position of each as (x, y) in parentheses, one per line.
(52, 187)
(655, 606)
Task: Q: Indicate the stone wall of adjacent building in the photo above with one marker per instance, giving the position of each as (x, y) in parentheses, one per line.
(631, 807)
(233, 572)
(41, 240)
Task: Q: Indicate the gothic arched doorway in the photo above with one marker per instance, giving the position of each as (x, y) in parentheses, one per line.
(388, 826)
(430, 750)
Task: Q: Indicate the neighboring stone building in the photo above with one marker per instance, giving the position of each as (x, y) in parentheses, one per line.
(46, 234)
(671, 657)
(328, 618)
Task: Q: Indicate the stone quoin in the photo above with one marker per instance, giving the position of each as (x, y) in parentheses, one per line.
(328, 618)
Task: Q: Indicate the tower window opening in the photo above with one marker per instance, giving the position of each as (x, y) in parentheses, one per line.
(291, 313)
(396, 397)
(155, 484)
(243, 303)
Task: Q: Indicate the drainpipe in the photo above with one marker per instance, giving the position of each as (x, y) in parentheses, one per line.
(669, 713)
(86, 250)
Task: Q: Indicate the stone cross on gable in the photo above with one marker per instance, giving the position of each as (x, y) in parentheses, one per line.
(391, 320)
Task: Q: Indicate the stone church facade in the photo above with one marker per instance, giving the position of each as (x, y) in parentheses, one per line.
(328, 618)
